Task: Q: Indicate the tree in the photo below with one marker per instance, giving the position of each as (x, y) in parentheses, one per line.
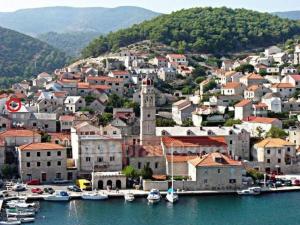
(89, 99)
(211, 85)
(45, 137)
(165, 122)
(134, 105)
(256, 175)
(198, 71)
(187, 123)
(198, 80)
(231, 122)
(8, 171)
(276, 132)
(245, 68)
(105, 118)
(130, 172)
(147, 172)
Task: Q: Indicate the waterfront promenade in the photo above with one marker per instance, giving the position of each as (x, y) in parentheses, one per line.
(141, 193)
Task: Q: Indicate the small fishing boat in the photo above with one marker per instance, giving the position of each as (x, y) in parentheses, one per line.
(20, 204)
(14, 222)
(27, 219)
(154, 196)
(58, 196)
(18, 213)
(250, 191)
(129, 197)
(94, 196)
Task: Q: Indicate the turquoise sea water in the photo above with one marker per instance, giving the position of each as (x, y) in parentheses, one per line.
(270, 209)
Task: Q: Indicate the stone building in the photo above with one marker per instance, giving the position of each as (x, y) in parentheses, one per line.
(42, 161)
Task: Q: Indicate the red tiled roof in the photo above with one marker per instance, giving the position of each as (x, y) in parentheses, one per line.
(104, 78)
(254, 119)
(260, 105)
(83, 85)
(120, 72)
(193, 141)
(180, 158)
(253, 76)
(176, 56)
(296, 77)
(231, 85)
(41, 146)
(67, 117)
(150, 150)
(100, 87)
(214, 159)
(60, 136)
(19, 133)
(243, 103)
(283, 85)
(60, 93)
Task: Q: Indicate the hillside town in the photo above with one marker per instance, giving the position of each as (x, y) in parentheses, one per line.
(100, 117)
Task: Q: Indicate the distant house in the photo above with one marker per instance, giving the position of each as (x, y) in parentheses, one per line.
(233, 88)
(182, 110)
(231, 76)
(286, 90)
(178, 59)
(260, 109)
(259, 126)
(166, 74)
(227, 65)
(160, 61)
(252, 79)
(66, 122)
(292, 79)
(273, 102)
(243, 109)
(255, 92)
(289, 70)
(74, 103)
(272, 50)
(297, 55)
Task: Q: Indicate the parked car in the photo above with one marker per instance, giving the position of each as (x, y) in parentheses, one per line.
(59, 181)
(296, 182)
(74, 188)
(287, 183)
(37, 191)
(49, 190)
(19, 187)
(278, 183)
(33, 182)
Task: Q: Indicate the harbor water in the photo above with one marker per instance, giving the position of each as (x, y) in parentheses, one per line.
(269, 209)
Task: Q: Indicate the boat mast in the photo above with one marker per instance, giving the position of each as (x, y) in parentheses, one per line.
(172, 168)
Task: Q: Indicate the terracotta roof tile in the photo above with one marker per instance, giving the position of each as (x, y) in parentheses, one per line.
(41, 146)
(18, 133)
(214, 159)
(283, 85)
(273, 143)
(243, 103)
(231, 85)
(193, 141)
(180, 158)
(254, 119)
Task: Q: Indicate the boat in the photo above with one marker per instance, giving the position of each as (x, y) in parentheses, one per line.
(27, 219)
(154, 196)
(12, 222)
(94, 196)
(250, 191)
(58, 196)
(18, 213)
(129, 197)
(19, 187)
(19, 204)
(172, 196)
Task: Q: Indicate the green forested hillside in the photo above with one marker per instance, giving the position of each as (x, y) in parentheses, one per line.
(209, 30)
(71, 43)
(24, 56)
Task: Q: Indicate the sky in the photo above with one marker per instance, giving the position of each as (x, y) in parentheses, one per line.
(163, 6)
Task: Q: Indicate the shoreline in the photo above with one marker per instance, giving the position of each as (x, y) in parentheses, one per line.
(141, 194)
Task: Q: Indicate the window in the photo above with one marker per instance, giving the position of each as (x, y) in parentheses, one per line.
(232, 181)
(105, 132)
(100, 159)
(38, 164)
(279, 151)
(156, 165)
(59, 163)
(288, 149)
(59, 153)
(149, 115)
(219, 170)
(48, 163)
(114, 132)
(230, 142)
(28, 164)
(112, 158)
(205, 181)
(48, 153)
(139, 165)
(27, 154)
(58, 175)
(268, 160)
(38, 154)
(268, 151)
(87, 159)
(279, 160)
(46, 125)
(34, 124)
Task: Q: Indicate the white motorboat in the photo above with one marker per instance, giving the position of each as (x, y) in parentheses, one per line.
(172, 196)
(58, 196)
(94, 196)
(13, 222)
(154, 196)
(129, 197)
(19, 187)
(19, 204)
(250, 191)
(17, 213)
(27, 219)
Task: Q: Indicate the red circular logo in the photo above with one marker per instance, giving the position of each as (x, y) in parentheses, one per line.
(11, 102)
